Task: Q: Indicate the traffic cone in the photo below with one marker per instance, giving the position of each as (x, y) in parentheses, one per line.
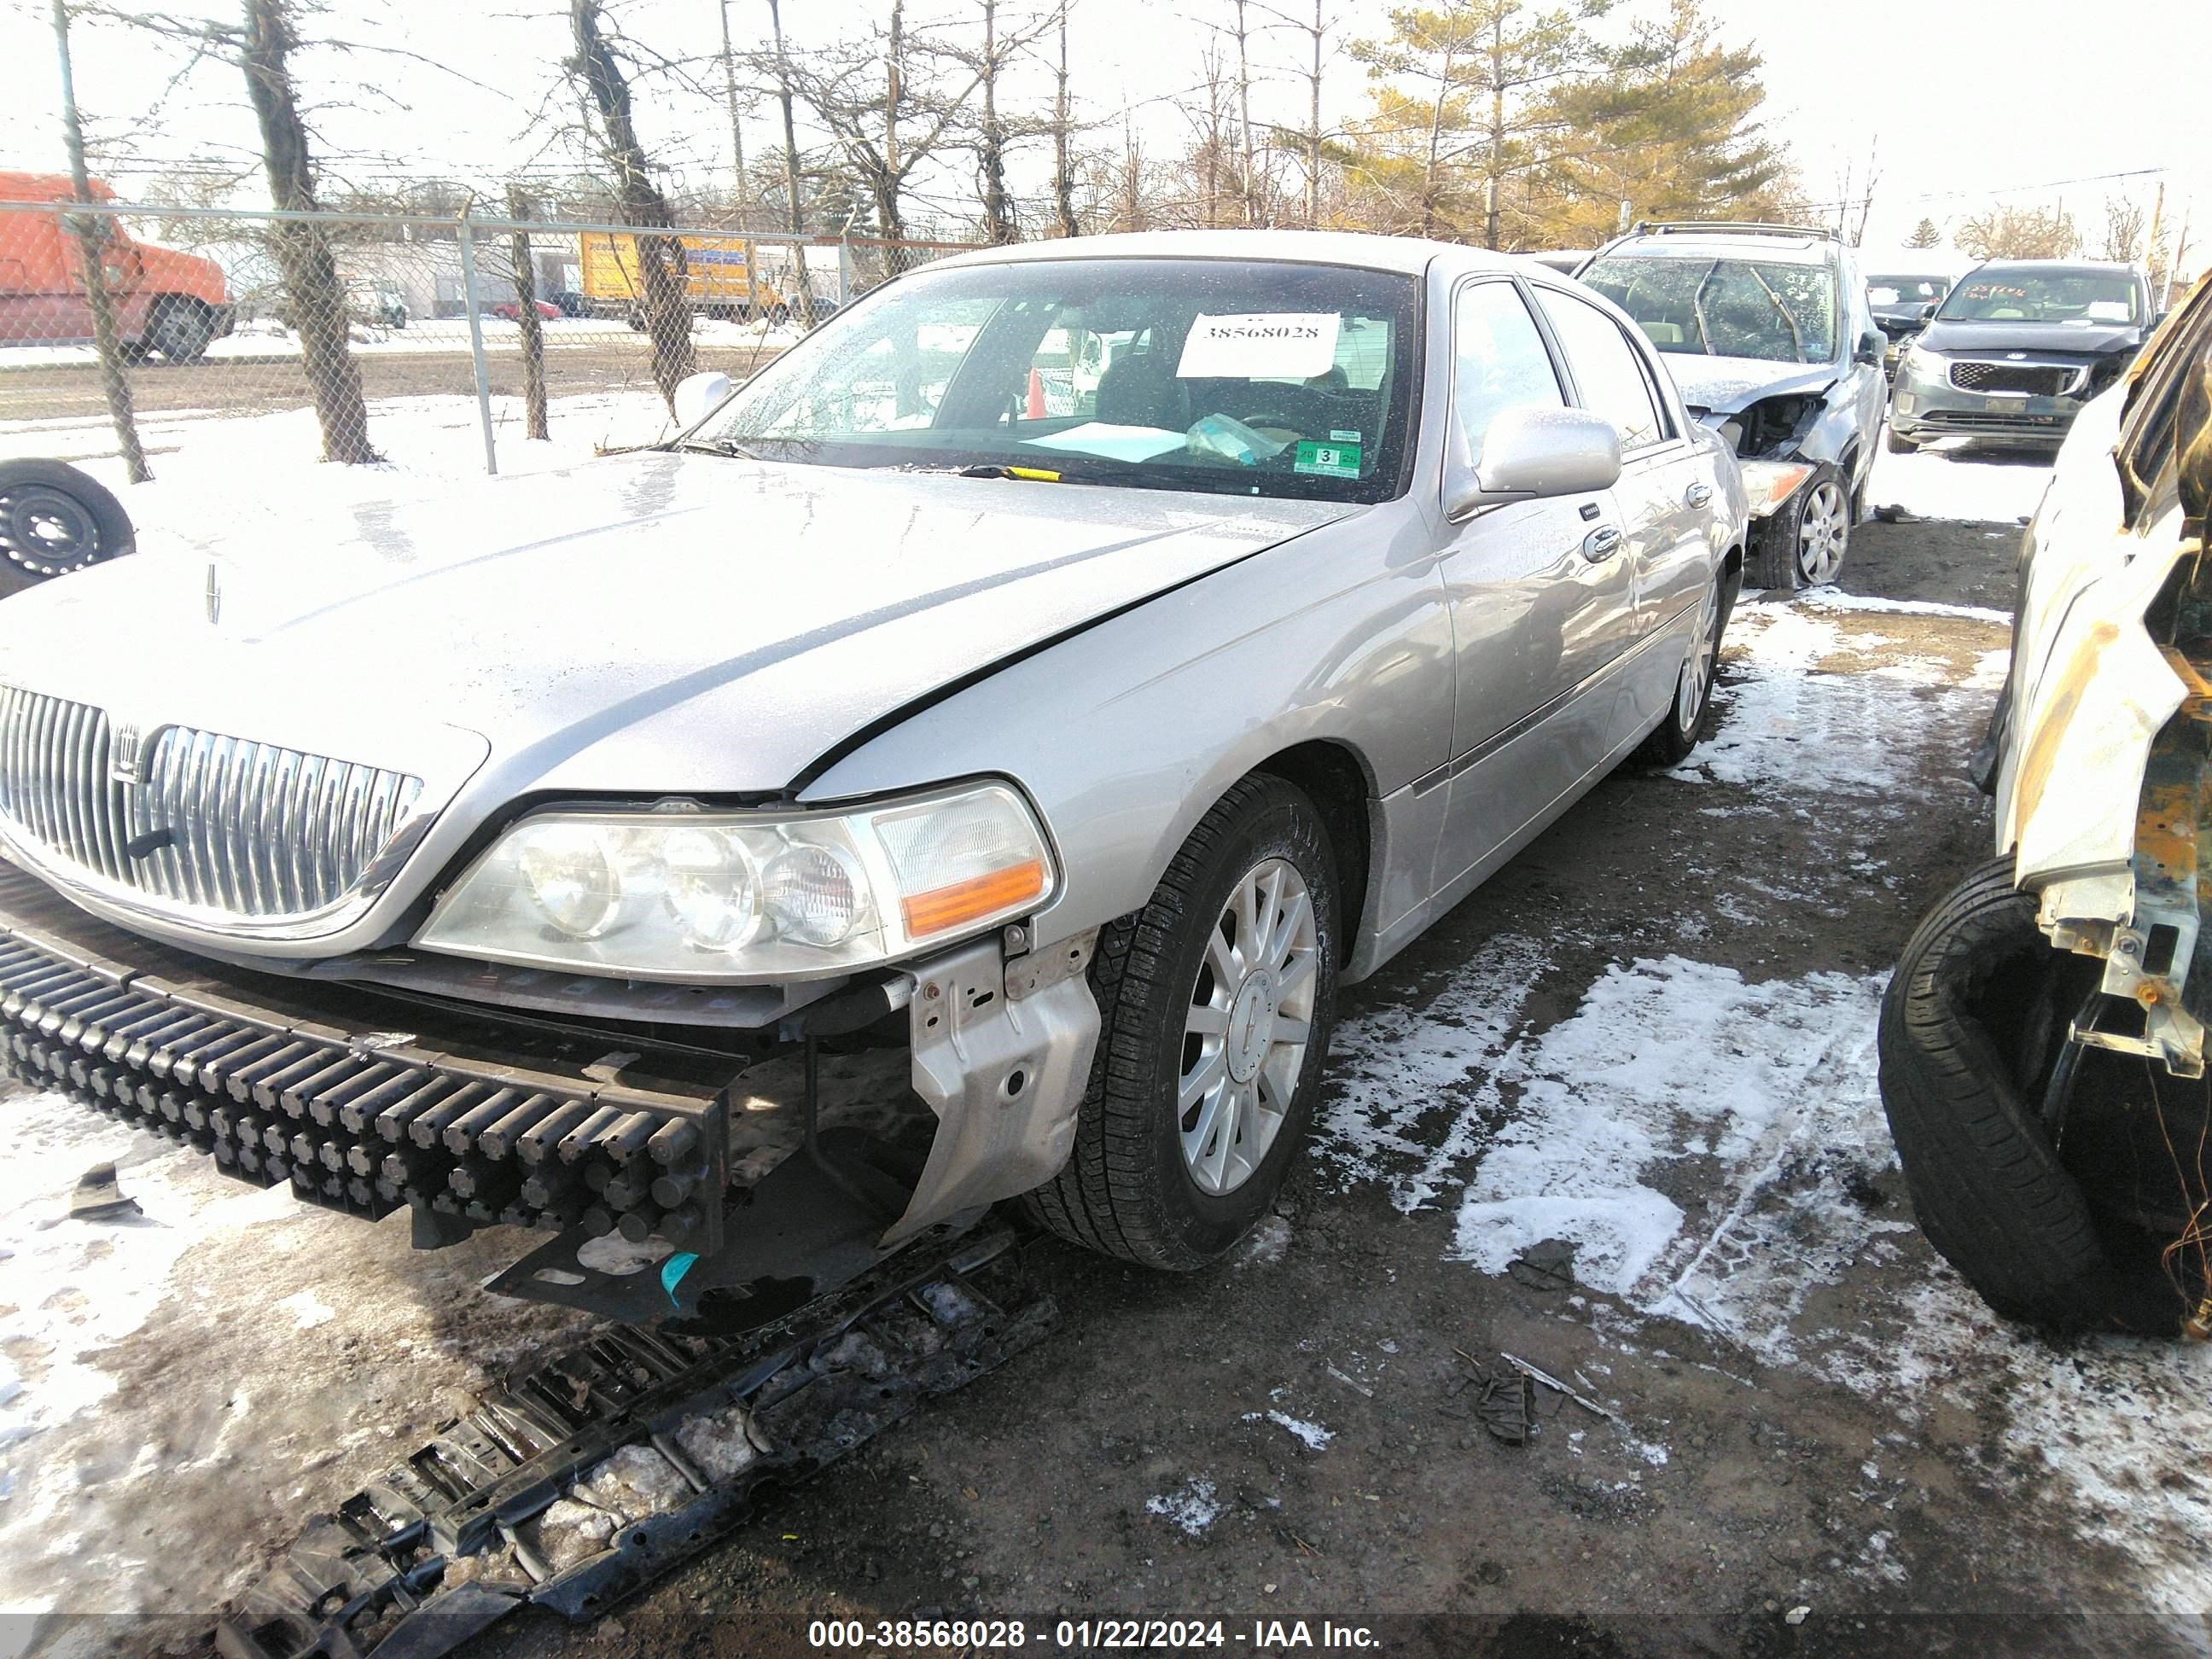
(1036, 411)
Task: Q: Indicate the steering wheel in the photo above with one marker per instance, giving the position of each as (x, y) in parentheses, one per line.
(1273, 418)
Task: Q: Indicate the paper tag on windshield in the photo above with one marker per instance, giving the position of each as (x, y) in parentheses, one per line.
(1261, 345)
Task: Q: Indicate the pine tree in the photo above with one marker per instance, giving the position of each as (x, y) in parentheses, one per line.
(1671, 127)
(1924, 234)
(1461, 113)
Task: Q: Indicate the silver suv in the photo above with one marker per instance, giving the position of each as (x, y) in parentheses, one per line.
(1768, 333)
(964, 764)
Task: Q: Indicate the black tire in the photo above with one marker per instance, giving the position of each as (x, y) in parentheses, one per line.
(180, 328)
(1126, 1191)
(1897, 443)
(1674, 737)
(54, 518)
(1777, 544)
(1987, 1187)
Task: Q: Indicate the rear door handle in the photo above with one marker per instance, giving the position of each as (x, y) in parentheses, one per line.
(1601, 543)
(1699, 495)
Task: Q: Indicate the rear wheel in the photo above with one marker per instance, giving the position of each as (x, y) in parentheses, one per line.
(1216, 1002)
(1692, 711)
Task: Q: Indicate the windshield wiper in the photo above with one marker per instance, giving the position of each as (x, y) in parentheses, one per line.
(1796, 338)
(716, 446)
(1698, 308)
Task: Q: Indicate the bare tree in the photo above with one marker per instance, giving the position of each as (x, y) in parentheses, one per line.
(598, 70)
(796, 203)
(1311, 139)
(526, 317)
(890, 102)
(93, 234)
(264, 47)
(991, 140)
(2020, 232)
(2124, 222)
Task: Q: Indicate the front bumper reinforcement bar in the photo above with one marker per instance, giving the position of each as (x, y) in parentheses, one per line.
(589, 1475)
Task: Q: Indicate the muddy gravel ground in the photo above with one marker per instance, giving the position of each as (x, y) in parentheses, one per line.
(1650, 1038)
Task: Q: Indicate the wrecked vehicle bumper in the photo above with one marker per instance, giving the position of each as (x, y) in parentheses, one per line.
(366, 1102)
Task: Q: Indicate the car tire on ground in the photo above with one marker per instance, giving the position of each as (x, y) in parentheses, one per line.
(1691, 712)
(1897, 443)
(181, 329)
(1988, 1186)
(1803, 544)
(54, 518)
(1184, 1136)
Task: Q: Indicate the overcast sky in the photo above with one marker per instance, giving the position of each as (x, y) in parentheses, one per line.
(1959, 102)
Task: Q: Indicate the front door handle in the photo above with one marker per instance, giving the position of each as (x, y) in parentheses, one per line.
(1601, 543)
(1699, 495)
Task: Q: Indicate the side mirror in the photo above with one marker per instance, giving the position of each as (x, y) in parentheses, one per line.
(1531, 453)
(697, 396)
(1871, 344)
(1928, 311)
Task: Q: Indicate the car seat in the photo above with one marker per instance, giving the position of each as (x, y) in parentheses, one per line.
(1141, 389)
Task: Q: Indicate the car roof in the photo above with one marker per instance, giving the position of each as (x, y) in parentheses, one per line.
(1410, 254)
(2059, 267)
(1763, 246)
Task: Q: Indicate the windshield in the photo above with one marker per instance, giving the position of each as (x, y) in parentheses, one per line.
(1906, 290)
(1725, 308)
(1227, 376)
(2045, 296)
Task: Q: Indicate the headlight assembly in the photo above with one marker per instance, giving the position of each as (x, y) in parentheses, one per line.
(1769, 484)
(690, 895)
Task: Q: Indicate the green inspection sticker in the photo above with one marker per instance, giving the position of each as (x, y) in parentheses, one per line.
(1328, 460)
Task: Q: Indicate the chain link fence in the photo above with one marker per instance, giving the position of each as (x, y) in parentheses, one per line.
(438, 345)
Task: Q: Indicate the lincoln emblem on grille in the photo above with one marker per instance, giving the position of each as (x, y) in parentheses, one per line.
(124, 754)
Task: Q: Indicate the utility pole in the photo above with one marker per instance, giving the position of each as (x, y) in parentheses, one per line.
(730, 93)
(1244, 117)
(93, 234)
(1063, 175)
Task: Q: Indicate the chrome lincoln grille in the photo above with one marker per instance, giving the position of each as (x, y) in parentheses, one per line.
(212, 822)
(2037, 379)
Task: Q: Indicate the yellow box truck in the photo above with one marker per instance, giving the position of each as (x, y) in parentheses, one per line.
(722, 277)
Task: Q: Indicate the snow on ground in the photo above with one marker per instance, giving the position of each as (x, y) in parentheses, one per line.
(1940, 482)
(177, 1388)
(217, 476)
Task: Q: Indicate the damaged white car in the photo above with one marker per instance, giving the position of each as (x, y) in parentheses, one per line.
(2042, 1044)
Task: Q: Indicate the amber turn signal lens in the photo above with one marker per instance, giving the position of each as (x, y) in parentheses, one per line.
(963, 901)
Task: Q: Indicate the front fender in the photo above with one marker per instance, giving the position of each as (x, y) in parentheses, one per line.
(1126, 733)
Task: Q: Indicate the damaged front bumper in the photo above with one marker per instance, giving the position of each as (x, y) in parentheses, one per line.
(687, 1143)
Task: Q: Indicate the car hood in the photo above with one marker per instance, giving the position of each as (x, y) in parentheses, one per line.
(655, 621)
(2082, 339)
(1726, 386)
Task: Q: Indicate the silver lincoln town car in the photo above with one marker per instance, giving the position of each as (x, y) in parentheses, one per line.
(965, 763)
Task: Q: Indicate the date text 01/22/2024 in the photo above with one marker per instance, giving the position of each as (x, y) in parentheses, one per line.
(1256, 1635)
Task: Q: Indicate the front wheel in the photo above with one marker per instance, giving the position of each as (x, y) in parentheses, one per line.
(1216, 1003)
(1897, 444)
(1804, 543)
(182, 331)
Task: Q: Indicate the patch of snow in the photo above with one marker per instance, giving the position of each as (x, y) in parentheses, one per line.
(1782, 724)
(308, 1309)
(1399, 1075)
(1315, 1436)
(1265, 1244)
(1831, 598)
(1192, 1507)
(1942, 483)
